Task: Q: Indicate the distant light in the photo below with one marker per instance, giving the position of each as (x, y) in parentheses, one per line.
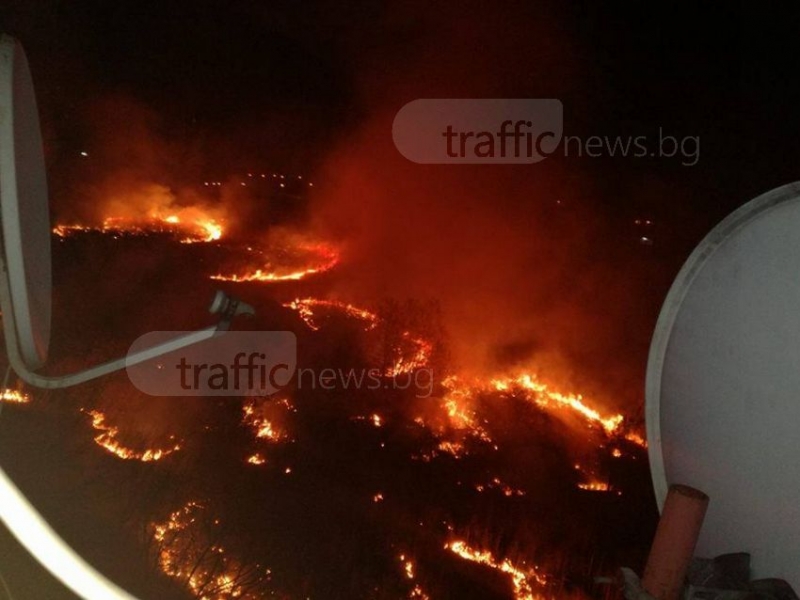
(283, 185)
(84, 154)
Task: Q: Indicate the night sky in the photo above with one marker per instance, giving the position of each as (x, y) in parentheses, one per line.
(206, 68)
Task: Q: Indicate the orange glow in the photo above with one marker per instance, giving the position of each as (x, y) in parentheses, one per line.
(460, 393)
(418, 594)
(523, 579)
(505, 489)
(307, 309)
(595, 486)
(456, 401)
(186, 550)
(256, 459)
(408, 566)
(14, 397)
(107, 439)
(454, 449)
(592, 482)
(263, 428)
(324, 258)
(416, 358)
(539, 393)
(414, 353)
(190, 224)
(636, 438)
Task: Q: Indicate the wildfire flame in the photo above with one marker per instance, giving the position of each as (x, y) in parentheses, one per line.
(527, 386)
(256, 459)
(523, 580)
(305, 308)
(107, 439)
(194, 224)
(455, 449)
(417, 358)
(191, 229)
(545, 398)
(592, 482)
(325, 258)
(14, 396)
(595, 486)
(416, 592)
(497, 484)
(458, 390)
(262, 427)
(414, 354)
(188, 553)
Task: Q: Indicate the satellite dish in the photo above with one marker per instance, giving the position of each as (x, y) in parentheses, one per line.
(25, 288)
(723, 385)
(24, 208)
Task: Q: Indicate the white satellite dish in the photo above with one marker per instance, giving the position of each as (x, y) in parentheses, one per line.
(723, 385)
(25, 303)
(26, 225)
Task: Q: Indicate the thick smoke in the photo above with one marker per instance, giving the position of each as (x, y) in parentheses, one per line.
(521, 257)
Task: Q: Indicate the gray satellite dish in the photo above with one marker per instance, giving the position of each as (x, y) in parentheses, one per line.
(26, 225)
(25, 302)
(723, 384)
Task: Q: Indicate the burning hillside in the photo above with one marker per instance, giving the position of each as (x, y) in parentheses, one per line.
(396, 399)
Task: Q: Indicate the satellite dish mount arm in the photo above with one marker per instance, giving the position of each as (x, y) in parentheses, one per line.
(222, 304)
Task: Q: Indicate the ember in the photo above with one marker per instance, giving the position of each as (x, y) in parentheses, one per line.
(14, 397)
